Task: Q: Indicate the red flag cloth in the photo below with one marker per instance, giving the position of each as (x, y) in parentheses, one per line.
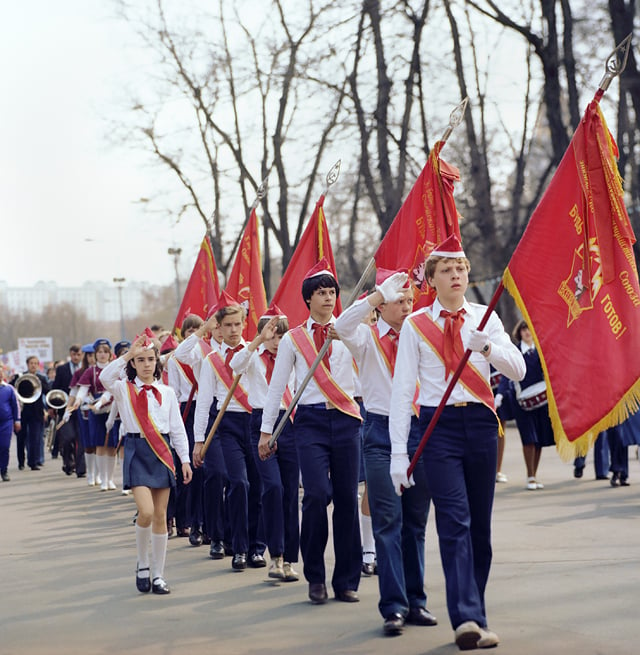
(427, 217)
(574, 277)
(314, 244)
(245, 282)
(203, 289)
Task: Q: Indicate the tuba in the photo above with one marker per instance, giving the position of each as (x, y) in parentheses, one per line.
(29, 388)
(56, 399)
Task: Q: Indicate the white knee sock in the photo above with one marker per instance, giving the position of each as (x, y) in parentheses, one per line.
(143, 537)
(368, 543)
(158, 554)
(102, 469)
(111, 467)
(90, 461)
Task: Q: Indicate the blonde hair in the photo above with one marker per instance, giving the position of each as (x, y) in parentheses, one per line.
(432, 262)
(230, 310)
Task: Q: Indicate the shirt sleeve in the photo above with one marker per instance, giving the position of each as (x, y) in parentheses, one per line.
(285, 361)
(187, 350)
(349, 326)
(177, 432)
(241, 361)
(110, 374)
(504, 356)
(206, 389)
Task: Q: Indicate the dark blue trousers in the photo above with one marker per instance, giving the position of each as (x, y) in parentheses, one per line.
(214, 481)
(244, 490)
(460, 465)
(328, 443)
(33, 435)
(398, 523)
(280, 477)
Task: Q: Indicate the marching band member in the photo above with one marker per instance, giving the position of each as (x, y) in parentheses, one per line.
(327, 436)
(531, 410)
(151, 418)
(9, 422)
(233, 436)
(101, 441)
(460, 457)
(192, 352)
(279, 474)
(398, 523)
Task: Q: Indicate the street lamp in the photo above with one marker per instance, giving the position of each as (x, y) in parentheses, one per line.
(175, 253)
(119, 282)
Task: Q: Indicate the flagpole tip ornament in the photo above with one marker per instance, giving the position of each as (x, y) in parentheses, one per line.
(321, 268)
(450, 247)
(616, 63)
(455, 118)
(334, 173)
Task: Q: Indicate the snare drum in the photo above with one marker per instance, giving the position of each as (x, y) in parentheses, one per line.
(532, 397)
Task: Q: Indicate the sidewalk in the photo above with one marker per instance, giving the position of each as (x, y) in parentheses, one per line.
(565, 578)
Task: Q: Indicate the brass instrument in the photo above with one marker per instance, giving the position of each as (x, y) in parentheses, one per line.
(55, 399)
(29, 388)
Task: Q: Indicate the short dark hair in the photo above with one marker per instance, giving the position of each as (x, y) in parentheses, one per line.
(282, 326)
(32, 357)
(191, 321)
(312, 284)
(157, 374)
(75, 348)
(517, 330)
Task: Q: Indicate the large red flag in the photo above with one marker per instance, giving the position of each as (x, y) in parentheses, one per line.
(427, 217)
(203, 289)
(574, 278)
(245, 282)
(314, 244)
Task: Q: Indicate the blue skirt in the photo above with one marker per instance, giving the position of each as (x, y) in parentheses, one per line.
(141, 467)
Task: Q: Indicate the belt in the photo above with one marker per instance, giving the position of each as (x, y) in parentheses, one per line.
(326, 406)
(466, 404)
(137, 435)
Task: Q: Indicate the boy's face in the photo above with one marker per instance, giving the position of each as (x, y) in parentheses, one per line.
(323, 301)
(33, 364)
(395, 312)
(272, 344)
(231, 327)
(450, 278)
(145, 364)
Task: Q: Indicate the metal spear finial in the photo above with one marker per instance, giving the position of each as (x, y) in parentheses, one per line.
(455, 118)
(616, 63)
(333, 174)
(261, 192)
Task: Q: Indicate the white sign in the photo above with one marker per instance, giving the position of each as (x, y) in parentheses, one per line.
(41, 347)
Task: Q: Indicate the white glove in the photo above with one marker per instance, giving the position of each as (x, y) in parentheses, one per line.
(498, 400)
(391, 288)
(478, 341)
(398, 472)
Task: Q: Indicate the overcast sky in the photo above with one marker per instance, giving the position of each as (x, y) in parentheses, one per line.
(67, 197)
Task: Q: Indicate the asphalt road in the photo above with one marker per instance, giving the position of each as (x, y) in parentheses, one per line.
(565, 578)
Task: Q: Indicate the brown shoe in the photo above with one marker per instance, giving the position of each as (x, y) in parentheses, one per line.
(347, 596)
(318, 593)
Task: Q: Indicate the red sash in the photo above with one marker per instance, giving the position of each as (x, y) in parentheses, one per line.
(471, 379)
(188, 373)
(139, 404)
(240, 394)
(287, 396)
(205, 348)
(385, 348)
(330, 389)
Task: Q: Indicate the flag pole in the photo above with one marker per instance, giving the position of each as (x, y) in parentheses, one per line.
(455, 118)
(452, 384)
(261, 191)
(614, 66)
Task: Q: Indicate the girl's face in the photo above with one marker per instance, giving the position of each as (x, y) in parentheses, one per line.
(145, 365)
(103, 354)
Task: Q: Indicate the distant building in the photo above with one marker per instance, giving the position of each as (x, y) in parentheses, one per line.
(98, 300)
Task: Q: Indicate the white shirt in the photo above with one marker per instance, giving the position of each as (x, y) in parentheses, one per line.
(254, 371)
(166, 416)
(417, 359)
(290, 359)
(190, 352)
(374, 374)
(210, 387)
(179, 382)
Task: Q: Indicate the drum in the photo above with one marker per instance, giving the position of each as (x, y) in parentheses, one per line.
(532, 397)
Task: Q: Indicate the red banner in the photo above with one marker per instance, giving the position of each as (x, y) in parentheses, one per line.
(203, 289)
(245, 282)
(574, 278)
(314, 244)
(427, 217)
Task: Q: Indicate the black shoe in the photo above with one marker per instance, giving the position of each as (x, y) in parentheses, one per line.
(421, 616)
(624, 482)
(577, 471)
(615, 480)
(602, 477)
(143, 585)
(5, 477)
(257, 561)
(35, 468)
(318, 593)
(217, 550)
(195, 538)
(206, 539)
(21, 467)
(347, 596)
(228, 550)
(368, 568)
(239, 562)
(81, 475)
(393, 624)
(160, 587)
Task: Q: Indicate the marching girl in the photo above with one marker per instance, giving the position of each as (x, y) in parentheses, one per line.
(100, 440)
(152, 423)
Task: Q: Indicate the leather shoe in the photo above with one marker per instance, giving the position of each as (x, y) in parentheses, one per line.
(368, 568)
(347, 596)
(578, 471)
(393, 624)
(195, 538)
(143, 585)
(182, 532)
(257, 561)
(206, 540)
(421, 616)
(6, 477)
(216, 551)
(615, 480)
(239, 562)
(317, 593)
(160, 586)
